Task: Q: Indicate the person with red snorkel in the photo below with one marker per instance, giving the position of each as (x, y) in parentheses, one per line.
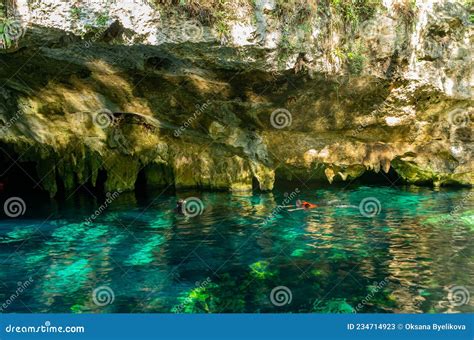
(301, 205)
(305, 205)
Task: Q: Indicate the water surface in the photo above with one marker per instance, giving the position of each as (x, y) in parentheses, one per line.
(405, 256)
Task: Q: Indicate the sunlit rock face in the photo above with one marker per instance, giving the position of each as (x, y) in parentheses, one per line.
(238, 96)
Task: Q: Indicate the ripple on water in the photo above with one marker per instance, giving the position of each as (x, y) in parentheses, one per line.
(405, 257)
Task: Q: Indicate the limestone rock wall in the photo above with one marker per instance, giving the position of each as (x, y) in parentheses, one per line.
(223, 96)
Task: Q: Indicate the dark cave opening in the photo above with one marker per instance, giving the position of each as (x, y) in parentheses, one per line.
(369, 177)
(381, 178)
(18, 177)
(141, 183)
(61, 193)
(153, 177)
(98, 189)
(255, 184)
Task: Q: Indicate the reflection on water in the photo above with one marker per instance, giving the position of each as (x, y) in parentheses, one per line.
(406, 258)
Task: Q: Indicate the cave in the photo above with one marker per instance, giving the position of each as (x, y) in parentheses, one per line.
(158, 63)
(17, 177)
(255, 184)
(141, 183)
(98, 188)
(129, 130)
(381, 178)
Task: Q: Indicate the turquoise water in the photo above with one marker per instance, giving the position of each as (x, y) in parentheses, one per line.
(409, 254)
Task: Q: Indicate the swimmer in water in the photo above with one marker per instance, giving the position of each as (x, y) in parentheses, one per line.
(302, 205)
(305, 205)
(180, 206)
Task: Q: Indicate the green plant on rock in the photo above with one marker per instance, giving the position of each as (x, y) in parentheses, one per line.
(305, 27)
(221, 25)
(295, 12)
(102, 19)
(88, 27)
(76, 12)
(406, 9)
(338, 52)
(5, 42)
(6, 25)
(286, 49)
(353, 58)
(354, 12)
(355, 62)
(296, 15)
(214, 13)
(295, 18)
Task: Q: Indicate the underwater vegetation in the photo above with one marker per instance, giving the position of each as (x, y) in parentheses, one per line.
(233, 259)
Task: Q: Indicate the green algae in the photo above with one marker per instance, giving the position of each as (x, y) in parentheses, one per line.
(199, 300)
(93, 234)
(34, 259)
(68, 277)
(336, 306)
(160, 222)
(260, 269)
(19, 233)
(71, 262)
(338, 255)
(77, 309)
(144, 255)
(465, 219)
(298, 252)
(69, 233)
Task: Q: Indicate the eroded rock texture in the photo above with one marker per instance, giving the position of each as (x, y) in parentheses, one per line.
(266, 93)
